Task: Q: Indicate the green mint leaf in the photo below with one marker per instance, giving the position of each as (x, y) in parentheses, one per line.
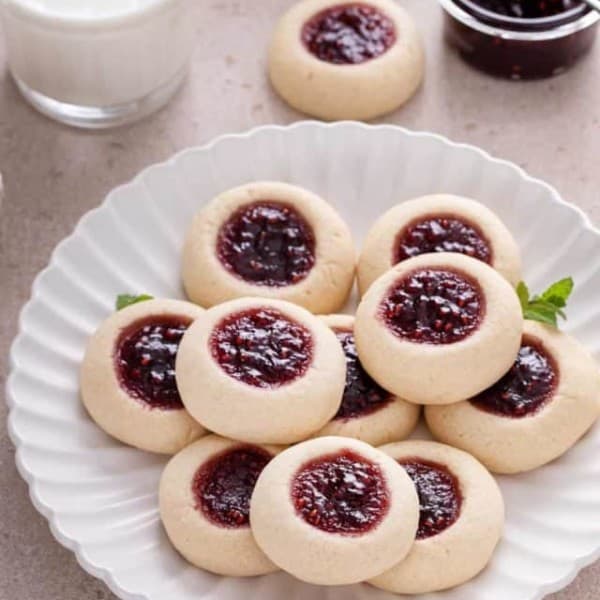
(555, 301)
(124, 300)
(523, 293)
(543, 305)
(558, 293)
(548, 306)
(540, 314)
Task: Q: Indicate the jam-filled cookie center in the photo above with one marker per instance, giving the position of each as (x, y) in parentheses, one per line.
(145, 360)
(433, 306)
(441, 234)
(341, 493)
(223, 486)
(439, 495)
(362, 395)
(530, 383)
(529, 9)
(349, 34)
(262, 347)
(268, 244)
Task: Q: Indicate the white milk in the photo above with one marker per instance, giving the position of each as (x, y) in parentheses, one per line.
(98, 62)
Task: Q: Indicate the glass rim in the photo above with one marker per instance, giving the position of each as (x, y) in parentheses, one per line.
(28, 9)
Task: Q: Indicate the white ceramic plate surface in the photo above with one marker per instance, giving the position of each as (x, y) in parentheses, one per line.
(100, 497)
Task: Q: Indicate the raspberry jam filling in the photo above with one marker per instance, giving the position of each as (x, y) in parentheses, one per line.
(267, 243)
(349, 34)
(145, 360)
(262, 347)
(223, 485)
(362, 396)
(441, 234)
(341, 493)
(433, 306)
(439, 494)
(528, 385)
(529, 9)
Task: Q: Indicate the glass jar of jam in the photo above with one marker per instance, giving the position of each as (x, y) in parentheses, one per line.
(520, 39)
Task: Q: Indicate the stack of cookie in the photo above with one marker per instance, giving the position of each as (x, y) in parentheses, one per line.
(305, 468)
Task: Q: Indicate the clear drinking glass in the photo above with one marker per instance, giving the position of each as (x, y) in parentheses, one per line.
(98, 63)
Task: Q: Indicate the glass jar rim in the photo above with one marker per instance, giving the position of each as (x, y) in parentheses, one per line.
(519, 23)
(496, 26)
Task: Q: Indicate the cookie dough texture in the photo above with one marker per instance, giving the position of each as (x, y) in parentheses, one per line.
(223, 550)
(324, 289)
(377, 255)
(512, 445)
(441, 373)
(275, 415)
(125, 418)
(391, 422)
(461, 551)
(324, 558)
(355, 91)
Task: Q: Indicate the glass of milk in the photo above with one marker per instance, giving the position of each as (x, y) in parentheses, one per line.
(98, 63)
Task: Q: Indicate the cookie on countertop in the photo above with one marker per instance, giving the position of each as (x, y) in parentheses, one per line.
(337, 60)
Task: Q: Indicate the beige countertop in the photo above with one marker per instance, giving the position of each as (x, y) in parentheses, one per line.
(53, 175)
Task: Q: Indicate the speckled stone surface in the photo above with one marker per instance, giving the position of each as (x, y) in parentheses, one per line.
(53, 175)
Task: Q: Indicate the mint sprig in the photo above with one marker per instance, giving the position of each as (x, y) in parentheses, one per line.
(124, 300)
(548, 306)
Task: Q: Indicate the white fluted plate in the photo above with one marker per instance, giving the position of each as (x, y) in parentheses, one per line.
(100, 497)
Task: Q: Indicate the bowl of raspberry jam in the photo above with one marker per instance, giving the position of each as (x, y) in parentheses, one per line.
(520, 39)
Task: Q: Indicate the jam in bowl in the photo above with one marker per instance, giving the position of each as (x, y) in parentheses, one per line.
(520, 39)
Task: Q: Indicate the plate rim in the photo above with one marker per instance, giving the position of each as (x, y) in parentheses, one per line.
(104, 574)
